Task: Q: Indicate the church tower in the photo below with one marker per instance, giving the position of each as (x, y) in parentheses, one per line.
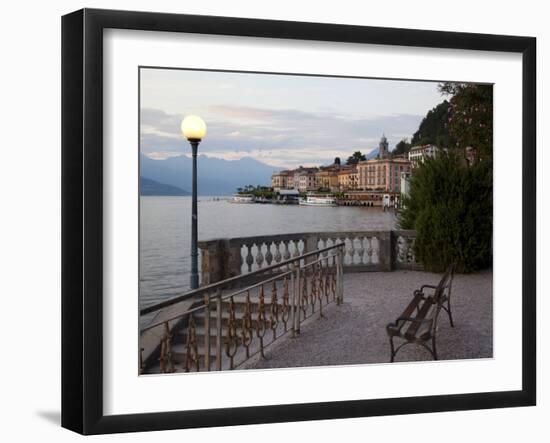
(383, 147)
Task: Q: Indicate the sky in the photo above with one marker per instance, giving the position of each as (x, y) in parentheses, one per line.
(281, 120)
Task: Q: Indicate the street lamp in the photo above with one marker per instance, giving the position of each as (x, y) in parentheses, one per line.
(194, 130)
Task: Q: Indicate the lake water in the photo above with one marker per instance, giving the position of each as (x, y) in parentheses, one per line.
(165, 230)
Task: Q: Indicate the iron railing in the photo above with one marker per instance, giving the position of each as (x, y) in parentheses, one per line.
(219, 327)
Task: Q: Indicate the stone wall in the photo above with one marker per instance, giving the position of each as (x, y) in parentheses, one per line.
(364, 251)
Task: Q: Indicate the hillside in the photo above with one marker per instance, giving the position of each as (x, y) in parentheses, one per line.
(153, 187)
(215, 176)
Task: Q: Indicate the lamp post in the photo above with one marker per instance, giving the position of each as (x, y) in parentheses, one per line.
(194, 130)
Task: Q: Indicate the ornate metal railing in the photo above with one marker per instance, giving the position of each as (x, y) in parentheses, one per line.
(363, 251)
(215, 328)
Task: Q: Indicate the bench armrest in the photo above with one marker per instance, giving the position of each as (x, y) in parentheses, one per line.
(422, 292)
(427, 286)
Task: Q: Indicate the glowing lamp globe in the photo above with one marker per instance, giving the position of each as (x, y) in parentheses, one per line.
(193, 128)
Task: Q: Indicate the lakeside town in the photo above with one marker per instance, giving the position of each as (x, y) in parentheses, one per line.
(379, 181)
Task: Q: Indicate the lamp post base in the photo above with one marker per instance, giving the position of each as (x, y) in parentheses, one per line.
(194, 281)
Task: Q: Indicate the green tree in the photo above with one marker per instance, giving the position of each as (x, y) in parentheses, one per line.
(434, 128)
(355, 158)
(450, 207)
(402, 147)
(470, 119)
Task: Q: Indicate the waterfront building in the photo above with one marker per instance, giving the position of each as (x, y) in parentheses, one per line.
(304, 180)
(327, 178)
(279, 180)
(366, 198)
(417, 154)
(287, 196)
(290, 180)
(347, 178)
(382, 174)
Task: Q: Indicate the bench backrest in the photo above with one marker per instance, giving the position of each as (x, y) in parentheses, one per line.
(443, 289)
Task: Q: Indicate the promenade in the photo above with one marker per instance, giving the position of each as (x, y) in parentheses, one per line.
(354, 333)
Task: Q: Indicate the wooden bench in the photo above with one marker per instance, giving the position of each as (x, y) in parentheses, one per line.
(418, 322)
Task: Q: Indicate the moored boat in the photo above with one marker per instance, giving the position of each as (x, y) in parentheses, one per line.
(243, 198)
(316, 200)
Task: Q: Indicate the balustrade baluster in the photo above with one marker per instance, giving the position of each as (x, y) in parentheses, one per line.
(296, 244)
(321, 245)
(286, 246)
(349, 250)
(259, 255)
(278, 257)
(369, 251)
(268, 253)
(249, 257)
(376, 250)
(361, 250)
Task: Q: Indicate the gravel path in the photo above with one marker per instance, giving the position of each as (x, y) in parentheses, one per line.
(355, 333)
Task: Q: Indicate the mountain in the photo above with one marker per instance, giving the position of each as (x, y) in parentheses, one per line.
(372, 154)
(215, 176)
(153, 187)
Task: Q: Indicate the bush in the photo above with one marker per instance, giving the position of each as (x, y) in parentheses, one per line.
(450, 206)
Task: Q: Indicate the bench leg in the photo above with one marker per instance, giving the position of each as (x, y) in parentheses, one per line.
(450, 313)
(392, 349)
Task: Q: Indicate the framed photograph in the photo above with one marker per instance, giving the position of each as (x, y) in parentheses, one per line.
(269, 221)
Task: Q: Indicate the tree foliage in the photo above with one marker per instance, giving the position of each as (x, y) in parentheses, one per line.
(402, 147)
(355, 158)
(450, 207)
(470, 116)
(256, 191)
(434, 128)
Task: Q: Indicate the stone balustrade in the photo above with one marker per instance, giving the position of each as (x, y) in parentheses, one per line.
(364, 251)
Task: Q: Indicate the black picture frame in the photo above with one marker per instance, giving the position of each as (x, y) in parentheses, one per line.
(82, 218)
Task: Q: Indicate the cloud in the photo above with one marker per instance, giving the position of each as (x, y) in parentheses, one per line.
(163, 155)
(284, 138)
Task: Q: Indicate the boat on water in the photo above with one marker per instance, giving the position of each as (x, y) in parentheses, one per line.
(243, 198)
(317, 200)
